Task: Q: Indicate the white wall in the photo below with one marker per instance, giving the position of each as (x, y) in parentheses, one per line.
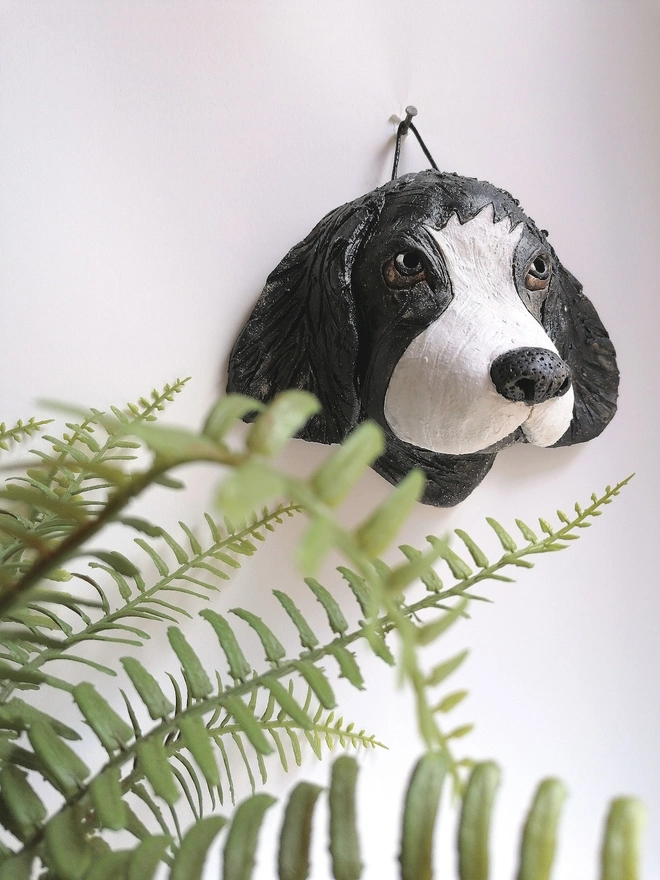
(157, 159)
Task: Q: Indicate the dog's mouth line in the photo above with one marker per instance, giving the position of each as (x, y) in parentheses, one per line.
(518, 435)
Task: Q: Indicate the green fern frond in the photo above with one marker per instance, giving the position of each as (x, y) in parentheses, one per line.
(620, 853)
(100, 801)
(402, 616)
(202, 729)
(308, 664)
(196, 574)
(146, 408)
(320, 729)
(79, 440)
(252, 474)
(556, 538)
(18, 432)
(233, 722)
(187, 856)
(45, 521)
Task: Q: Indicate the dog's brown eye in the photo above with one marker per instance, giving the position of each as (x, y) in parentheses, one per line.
(538, 273)
(404, 270)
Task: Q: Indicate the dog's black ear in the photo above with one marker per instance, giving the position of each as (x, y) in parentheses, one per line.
(574, 326)
(302, 332)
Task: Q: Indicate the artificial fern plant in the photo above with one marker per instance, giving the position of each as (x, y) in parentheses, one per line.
(172, 752)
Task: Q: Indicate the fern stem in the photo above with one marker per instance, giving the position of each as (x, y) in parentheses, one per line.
(98, 626)
(75, 483)
(82, 800)
(146, 414)
(512, 557)
(56, 557)
(390, 620)
(19, 431)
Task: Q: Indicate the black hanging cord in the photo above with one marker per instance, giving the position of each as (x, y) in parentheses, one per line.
(404, 127)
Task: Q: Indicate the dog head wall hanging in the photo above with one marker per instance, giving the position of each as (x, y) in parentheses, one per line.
(436, 307)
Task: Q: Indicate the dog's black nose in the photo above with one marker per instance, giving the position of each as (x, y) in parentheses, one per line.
(530, 375)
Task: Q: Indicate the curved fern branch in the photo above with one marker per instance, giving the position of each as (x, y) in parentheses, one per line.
(18, 432)
(52, 496)
(232, 710)
(253, 478)
(54, 557)
(180, 752)
(402, 617)
(197, 574)
(308, 664)
(99, 801)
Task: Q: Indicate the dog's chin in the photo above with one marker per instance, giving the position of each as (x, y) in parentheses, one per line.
(541, 424)
(517, 436)
(477, 430)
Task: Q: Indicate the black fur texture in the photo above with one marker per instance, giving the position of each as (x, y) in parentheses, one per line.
(325, 322)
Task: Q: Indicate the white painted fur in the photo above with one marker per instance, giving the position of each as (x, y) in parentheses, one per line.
(441, 396)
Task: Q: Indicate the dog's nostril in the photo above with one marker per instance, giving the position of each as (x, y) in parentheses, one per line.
(530, 375)
(527, 386)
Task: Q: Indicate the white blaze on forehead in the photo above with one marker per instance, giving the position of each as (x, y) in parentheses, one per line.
(441, 396)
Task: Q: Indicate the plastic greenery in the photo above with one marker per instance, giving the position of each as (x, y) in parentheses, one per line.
(619, 851)
(172, 752)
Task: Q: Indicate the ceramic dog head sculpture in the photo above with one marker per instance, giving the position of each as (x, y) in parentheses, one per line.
(436, 307)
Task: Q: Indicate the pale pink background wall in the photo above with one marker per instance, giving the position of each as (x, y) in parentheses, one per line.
(157, 159)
